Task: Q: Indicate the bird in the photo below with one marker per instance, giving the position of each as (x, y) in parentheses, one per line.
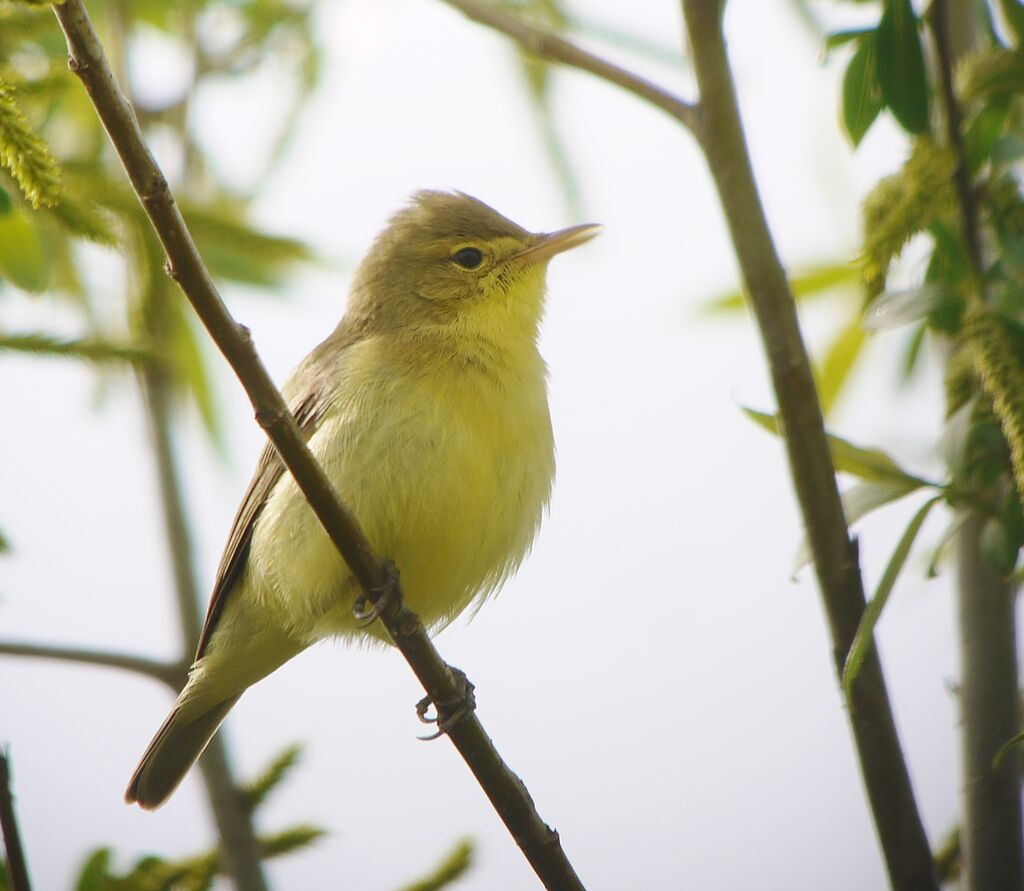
(427, 409)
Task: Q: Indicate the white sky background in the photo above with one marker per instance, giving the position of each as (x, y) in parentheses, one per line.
(663, 688)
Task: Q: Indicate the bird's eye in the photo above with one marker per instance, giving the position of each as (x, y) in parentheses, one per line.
(468, 257)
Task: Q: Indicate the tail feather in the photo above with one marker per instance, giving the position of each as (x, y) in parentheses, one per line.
(177, 745)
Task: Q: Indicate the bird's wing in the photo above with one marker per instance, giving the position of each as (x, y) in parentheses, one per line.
(307, 403)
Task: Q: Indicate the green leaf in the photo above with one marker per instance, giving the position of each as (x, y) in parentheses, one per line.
(858, 501)
(1005, 750)
(453, 867)
(841, 38)
(901, 71)
(21, 254)
(813, 282)
(5, 543)
(912, 352)
(890, 309)
(95, 872)
(1008, 149)
(1013, 13)
(984, 131)
(89, 349)
(862, 94)
(865, 635)
(839, 360)
(257, 790)
(871, 465)
(5, 202)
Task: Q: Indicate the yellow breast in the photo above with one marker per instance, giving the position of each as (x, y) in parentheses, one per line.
(448, 465)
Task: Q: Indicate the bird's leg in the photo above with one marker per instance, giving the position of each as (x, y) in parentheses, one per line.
(370, 604)
(450, 711)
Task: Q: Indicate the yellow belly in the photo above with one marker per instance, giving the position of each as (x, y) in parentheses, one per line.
(448, 472)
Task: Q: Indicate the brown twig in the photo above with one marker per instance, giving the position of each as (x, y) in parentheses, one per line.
(555, 49)
(538, 842)
(170, 673)
(17, 867)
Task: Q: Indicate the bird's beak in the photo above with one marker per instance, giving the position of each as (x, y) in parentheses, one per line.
(548, 244)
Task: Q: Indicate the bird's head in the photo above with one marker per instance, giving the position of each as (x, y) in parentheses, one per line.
(448, 260)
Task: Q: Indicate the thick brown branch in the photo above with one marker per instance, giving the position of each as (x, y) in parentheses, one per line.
(17, 866)
(835, 556)
(539, 843)
(171, 673)
(548, 46)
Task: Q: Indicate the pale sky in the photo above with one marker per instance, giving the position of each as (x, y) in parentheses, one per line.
(653, 673)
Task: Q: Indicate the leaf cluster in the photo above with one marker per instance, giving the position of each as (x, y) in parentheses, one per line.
(61, 186)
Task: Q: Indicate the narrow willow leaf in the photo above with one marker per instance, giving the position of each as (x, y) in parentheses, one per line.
(454, 866)
(22, 261)
(841, 38)
(815, 281)
(865, 635)
(984, 131)
(901, 71)
(1005, 750)
(1013, 13)
(257, 790)
(862, 95)
(871, 465)
(89, 349)
(839, 360)
(912, 353)
(858, 501)
(95, 872)
(890, 309)
(5, 543)
(944, 542)
(1008, 149)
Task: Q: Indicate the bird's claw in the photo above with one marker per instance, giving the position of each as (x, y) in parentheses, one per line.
(370, 604)
(451, 711)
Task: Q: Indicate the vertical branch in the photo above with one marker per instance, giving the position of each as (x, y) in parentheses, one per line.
(885, 774)
(991, 828)
(993, 858)
(17, 866)
(239, 848)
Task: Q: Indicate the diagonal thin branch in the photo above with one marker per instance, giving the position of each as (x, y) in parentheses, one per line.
(17, 866)
(505, 790)
(555, 49)
(170, 673)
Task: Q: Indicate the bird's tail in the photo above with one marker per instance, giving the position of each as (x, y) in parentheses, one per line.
(177, 745)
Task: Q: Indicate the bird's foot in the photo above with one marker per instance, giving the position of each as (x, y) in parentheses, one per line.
(370, 604)
(451, 711)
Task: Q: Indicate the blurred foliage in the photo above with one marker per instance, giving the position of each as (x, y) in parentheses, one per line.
(61, 185)
(196, 872)
(454, 866)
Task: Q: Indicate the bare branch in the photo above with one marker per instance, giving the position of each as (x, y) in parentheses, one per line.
(170, 673)
(538, 842)
(17, 866)
(555, 49)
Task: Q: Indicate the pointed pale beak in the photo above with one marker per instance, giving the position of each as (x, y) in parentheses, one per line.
(551, 243)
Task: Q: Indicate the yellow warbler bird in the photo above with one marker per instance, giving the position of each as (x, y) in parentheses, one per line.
(427, 408)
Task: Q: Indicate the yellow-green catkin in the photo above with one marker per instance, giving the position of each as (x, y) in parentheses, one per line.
(25, 156)
(903, 204)
(1002, 378)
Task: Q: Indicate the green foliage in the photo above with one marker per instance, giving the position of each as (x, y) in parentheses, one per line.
(257, 790)
(90, 350)
(39, 232)
(453, 867)
(997, 356)
(871, 465)
(886, 70)
(902, 205)
(901, 72)
(25, 156)
(862, 93)
(197, 872)
(864, 637)
(948, 858)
